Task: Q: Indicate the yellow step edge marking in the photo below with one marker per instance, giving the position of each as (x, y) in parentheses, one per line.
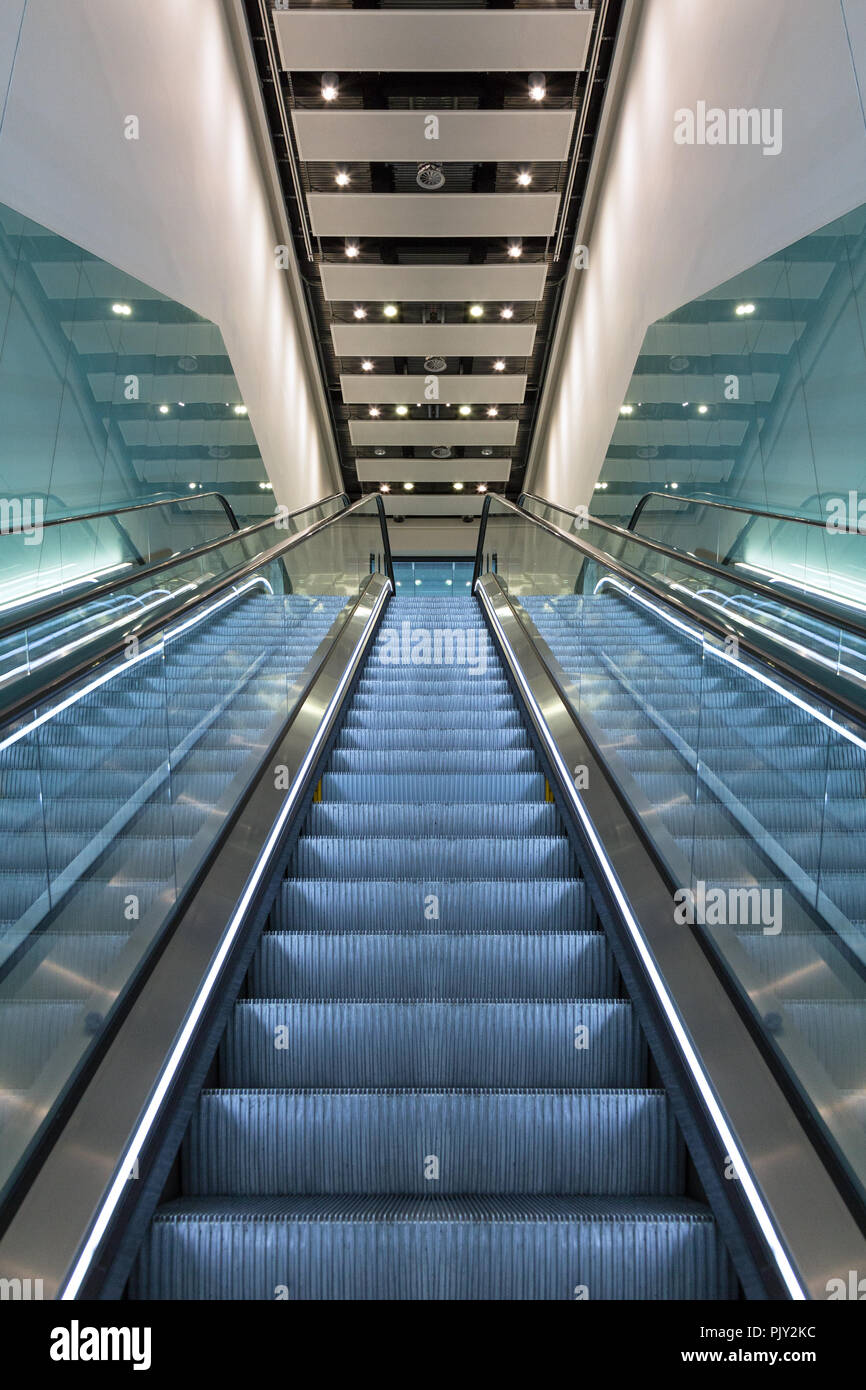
(317, 794)
(548, 794)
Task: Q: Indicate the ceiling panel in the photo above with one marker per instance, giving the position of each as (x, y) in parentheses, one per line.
(422, 339)
(433, 284)
(458, 136)
(433, 214)
(413, 433)
(399, 470)
(433, 40)
(493, 388)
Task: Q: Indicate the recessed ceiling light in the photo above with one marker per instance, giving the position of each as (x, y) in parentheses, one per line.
(402, 410)
(537, 86)
(417, 581)
(476, 311)
(685, 405)
(329, 86)
(702, 409)
(742, 309)
(384, 487)
(123, 309)
(342, 179)
(499, 366)
(626, 409)
(380, 453)
(674, 486)
(458, 487)
(524, 178)
(465, 410)
(240, 410)
(506, 313)
(360, 312)
(390, 311)
(482, 487)
(374, 411)
(367, 366)
(515, 250)
(492, 411)
(351, 249)
(408, 487)
(163, 410)
(182, 405)
(487, 453)
(193, 486)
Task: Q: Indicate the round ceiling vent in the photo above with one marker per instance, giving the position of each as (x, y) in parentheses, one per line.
(188, 363)
(435, 364)
(430, 177)
(649, 451)
(679, 363)
(441, 452)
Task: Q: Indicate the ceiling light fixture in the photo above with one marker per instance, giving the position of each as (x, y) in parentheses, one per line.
(626, 409)
(499, 366)
(163, 410)
(537, 86)
(240, 410)
(390, 311)
(476, 311)
(402, 410)
(360, 312)
(702, 409)
(123, 309)
(515, 250)
(458, 487)
(506, 313)
(374, 411)
(380, 453)
(743, 309)
(524, 178)
(482, 487)
(465, 410)
(492, 412)
(384, 487)
(329, 86)
(367, 366)
(351, 249)
(342, 179)
(408, 487)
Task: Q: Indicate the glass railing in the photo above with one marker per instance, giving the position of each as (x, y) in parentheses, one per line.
(824, 560)
(818, 640)
(53, 636)
(749, 788)
(42, 561)
(115, 786)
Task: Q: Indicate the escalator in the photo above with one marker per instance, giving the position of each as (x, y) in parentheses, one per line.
(339, 952)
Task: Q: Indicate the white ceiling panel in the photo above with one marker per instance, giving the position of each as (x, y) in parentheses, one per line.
(416, 433)
(422, 339)
(444, 40)
(495, 388)
(433, 284)
(397, 470)
(407, 504)
(461, 136)
(433, 214)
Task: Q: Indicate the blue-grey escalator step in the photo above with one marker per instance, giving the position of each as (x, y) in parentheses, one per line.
(492, 785)
(276, 1143)
(379, 905)
(434, 741)
(432, 965)
(490, 857)
(276, 1042)
(469, 1248)
(423, 760)
(518, 819)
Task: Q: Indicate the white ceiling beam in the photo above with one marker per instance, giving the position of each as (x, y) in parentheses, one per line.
(417, 433)
(453, 504)
(443, 136)
(433, 214)
(433, 284)
(494, 388)
(423, 339)
(550, 40)
(398, 470)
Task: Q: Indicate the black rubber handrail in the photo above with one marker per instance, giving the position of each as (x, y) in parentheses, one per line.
(74, 600)
(813, 685)
(710, 502)
(757, 586)
(158, 621)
